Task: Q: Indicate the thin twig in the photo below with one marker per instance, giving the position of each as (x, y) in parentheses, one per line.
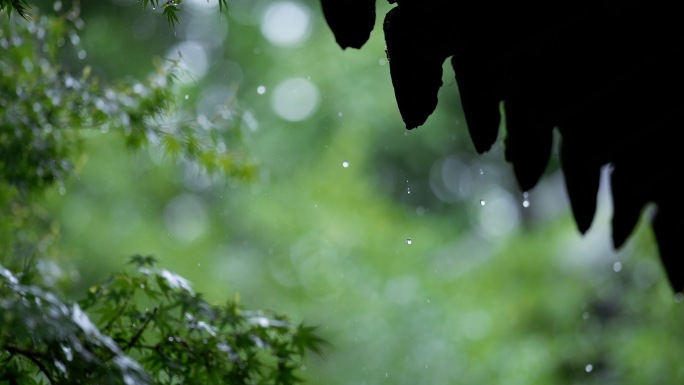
(137, 335)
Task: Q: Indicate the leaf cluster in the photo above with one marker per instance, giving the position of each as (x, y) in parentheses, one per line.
(170, 8)
(47, 111)
(150, 328)
(19, 6)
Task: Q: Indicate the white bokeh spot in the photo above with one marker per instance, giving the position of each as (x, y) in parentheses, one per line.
(295, 99)
(192, 58)
(286, 23)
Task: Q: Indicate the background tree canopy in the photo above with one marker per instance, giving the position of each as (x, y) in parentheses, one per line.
(281, 171)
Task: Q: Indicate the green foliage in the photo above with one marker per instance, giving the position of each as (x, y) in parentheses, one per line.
(170, 8)
(495, 293)
(47, 110)
(41, 334)
(20, 6)
(151, 328)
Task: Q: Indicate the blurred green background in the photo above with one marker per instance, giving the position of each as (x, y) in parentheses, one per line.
(419, 259)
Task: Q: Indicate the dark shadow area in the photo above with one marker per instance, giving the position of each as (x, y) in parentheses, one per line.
(605, 74)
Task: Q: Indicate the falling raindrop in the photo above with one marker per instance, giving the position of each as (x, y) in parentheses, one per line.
(187, 96)
(482, 202)
(345, 164)
(617, 266)
(409, 241)
(526, 200)
(589, 368)
(481, 172)
(261, 90)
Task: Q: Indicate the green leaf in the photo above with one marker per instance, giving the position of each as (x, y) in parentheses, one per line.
(172, 145)
(171, 13)
(143, 261)
(305, 338)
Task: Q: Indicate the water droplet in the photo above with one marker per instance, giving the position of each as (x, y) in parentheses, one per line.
(408, 190)
(409, 241)
(345, 164)
(187, 96)
(386, 374)
(678, 297)
(589, 368)
(482, 202)
(340, 113)
(142, 285)
(261, 90)
(585, 315)
(481, 172)
(617, 266)
(526, 200)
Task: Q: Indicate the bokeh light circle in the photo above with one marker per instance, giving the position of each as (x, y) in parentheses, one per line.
(295, 99)
(286, 23)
